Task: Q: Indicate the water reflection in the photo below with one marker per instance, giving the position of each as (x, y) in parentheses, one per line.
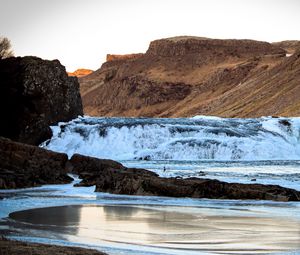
(55, 216)
(120, 212)
(61, 220)
(165, 228)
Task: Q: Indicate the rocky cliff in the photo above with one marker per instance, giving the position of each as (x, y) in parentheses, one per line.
(114, 57)
(23, 166)
(182, 46)
(34, 94)
(80, 72)
(187, 76)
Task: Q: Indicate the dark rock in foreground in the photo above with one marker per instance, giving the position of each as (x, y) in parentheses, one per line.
(112, 177)
(23, 166)
(9, 247)
(34, 94)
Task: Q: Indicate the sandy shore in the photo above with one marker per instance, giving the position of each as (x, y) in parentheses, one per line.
(9, 247)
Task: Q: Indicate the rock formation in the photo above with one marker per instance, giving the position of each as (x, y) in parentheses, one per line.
(115, 57)
(34, 94)
(291, 46)
(182, 46)
(81, 72)
(23, 166)
(187, 76)
(110, 176)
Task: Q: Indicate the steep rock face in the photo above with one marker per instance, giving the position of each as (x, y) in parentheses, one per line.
(23, 166)
(201, 76)
(182, 46)
(114, 57)
(34, 94)
(112, 177)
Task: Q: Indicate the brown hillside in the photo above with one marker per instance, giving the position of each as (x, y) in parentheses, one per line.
(290, 46)
(186, 76)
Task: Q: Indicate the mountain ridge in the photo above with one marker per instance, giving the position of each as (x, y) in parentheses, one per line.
(186, 76)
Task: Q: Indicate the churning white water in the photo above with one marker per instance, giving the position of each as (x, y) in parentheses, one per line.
(198, 138)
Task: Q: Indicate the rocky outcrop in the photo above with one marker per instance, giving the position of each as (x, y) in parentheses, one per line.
(112, 177)
(34, 94)
(113, 57)
(23, 166)
(81, 72)
(291, 46)
(184, 45)
(227, 78)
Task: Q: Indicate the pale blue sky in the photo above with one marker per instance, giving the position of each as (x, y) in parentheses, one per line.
(81, 32)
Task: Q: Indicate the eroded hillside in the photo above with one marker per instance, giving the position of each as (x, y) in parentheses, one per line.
(187, 76)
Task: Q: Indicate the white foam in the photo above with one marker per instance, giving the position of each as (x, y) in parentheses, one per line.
(201, 138)
(206, 117)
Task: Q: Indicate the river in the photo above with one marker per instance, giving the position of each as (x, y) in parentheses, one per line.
(264, 150)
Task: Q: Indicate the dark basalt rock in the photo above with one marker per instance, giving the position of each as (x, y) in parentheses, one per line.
(23, 166)
(34, 94)
(110, 176)
(180, 46)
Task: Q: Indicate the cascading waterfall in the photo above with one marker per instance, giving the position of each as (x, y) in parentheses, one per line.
(197, 138)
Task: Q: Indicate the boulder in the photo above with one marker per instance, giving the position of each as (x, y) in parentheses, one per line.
(23, 166)
(35, 93)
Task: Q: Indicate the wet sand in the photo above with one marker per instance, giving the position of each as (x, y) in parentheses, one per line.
(9, 247)
(165, 229)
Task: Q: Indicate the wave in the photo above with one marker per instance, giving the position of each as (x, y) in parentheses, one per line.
(197, 138)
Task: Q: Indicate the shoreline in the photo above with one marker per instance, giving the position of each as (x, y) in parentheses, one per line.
(79, 212)
(196, 230)
(13, 247)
